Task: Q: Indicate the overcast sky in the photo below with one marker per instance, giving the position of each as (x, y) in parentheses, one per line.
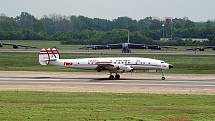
(197, 10)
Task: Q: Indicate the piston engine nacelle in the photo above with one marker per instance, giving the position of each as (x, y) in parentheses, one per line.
(100, 68)
(124, 68)
(120, 68)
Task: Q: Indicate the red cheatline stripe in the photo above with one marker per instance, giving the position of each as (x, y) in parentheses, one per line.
(44, 53)
(129, 65)
(49, 52)
(104, 62)
(54, 51)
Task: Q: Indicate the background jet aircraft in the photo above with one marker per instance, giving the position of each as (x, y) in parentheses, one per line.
(95, 47)
(157, 47)
(197, 48)
(202, 48)
(15, 46)
(126, 47)
(210, 47)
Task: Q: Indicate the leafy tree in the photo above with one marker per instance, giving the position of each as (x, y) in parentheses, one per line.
(84, 30)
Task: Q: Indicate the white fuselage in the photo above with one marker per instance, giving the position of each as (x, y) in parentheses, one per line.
(133, 62)
(112, 64)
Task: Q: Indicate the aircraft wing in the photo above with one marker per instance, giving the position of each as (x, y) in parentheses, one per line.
(210, 47)
(6, 44)
(17, 46)
(137, 46)
(197, 48)
(193, 49)
(115, 46)
(130, 45)
(154, 47)
(113, 68)
(104, 66)
(14, 46)
(95, 47)
(85, 47)
(25, 46)
(168, 47)
(157, 47)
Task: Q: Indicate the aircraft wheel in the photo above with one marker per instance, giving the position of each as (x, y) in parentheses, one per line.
(111, 77)
(117, 77)
(163, 78)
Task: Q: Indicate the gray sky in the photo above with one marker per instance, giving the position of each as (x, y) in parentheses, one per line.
(197, 10)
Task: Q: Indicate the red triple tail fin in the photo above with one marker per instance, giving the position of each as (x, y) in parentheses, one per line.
(47, 55)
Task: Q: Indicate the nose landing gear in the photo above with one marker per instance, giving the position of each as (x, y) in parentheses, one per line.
(163, 77)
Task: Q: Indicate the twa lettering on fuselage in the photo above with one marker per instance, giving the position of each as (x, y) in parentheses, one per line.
(92, 62)
(122, 62)
(68, 64)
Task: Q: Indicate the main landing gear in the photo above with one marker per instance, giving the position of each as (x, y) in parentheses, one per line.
(163, 77)
(117, 77)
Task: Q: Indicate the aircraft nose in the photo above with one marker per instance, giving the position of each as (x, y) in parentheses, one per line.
(170, 66)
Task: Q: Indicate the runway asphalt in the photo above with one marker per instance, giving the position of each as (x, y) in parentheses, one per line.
(172, 82)
(97, 82)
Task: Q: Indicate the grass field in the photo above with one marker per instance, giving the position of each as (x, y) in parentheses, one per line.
(54, 106)
(182, 63)
(41, 106)
(198, 64)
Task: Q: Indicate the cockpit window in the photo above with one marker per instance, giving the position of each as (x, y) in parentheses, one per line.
(162, 62)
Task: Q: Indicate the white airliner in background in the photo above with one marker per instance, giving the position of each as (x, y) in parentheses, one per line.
(114, 65)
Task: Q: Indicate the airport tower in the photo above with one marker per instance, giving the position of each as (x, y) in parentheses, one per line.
(168, 28)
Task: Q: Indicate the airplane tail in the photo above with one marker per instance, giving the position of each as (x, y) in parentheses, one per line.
(48, 55)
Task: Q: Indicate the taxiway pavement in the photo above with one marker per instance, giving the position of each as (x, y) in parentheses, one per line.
(98, 82)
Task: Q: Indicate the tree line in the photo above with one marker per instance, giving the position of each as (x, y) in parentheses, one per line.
(84, 30)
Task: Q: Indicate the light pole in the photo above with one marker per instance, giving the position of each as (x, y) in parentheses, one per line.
(125, 46)
(163, 25)
(128, 36)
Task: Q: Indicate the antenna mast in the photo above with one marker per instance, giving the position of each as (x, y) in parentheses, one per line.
(128, 36)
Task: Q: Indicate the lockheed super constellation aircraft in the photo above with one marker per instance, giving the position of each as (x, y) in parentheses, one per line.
(114, 65)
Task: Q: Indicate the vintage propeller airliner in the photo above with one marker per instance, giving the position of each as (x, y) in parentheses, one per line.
(114, 65)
